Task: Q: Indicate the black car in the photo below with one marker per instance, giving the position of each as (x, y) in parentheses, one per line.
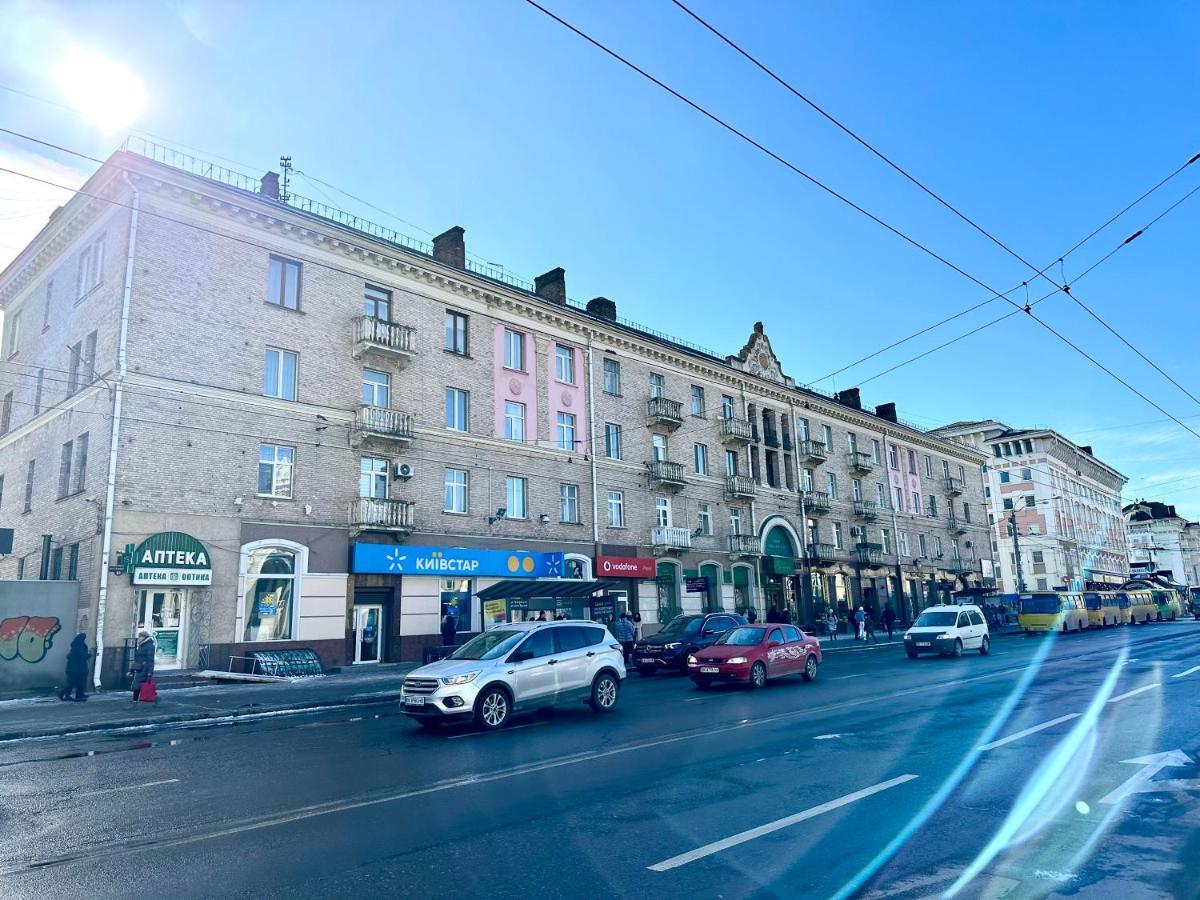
(669, 648)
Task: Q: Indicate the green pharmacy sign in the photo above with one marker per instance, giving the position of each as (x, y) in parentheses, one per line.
(171, 558)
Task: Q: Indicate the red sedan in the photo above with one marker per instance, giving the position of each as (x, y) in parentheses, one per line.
(754, 653)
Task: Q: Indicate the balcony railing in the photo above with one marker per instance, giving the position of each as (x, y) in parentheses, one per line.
(822, 553)
(736, 431)
(661, 411)
(740, 486)
(866, 509)
(859, 461)
(383, 424)
(664, 472)
(667, 537)
(375, 514)
(953, 486)
(870, 554)
(815, 501)
(372, 335)
(814, 451)
(744, 545)
(955, 525)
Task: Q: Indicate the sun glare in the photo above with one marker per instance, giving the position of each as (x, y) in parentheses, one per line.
(106, 92)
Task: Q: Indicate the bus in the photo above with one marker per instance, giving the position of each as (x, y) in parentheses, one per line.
(1167, 605)
(1102, 609)
(1141, 606)
(1047, 611)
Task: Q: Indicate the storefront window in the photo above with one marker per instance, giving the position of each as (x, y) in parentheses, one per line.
(456, 600)
(270, 593)
(668, 592)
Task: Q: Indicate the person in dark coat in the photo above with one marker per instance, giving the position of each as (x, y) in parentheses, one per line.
(449, 627)
(77, 669)
(751, 615)
(869, 627)
(143, 662)
(773, 615)
(889, 620)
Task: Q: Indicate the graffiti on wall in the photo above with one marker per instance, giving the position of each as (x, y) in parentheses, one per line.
(27, 638)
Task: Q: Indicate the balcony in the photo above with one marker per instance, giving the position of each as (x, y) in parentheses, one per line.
(666, 474)
(866, 510)
(961, 566)
(666, 538)
(819, 554)
(812, 451)
(375, 514)
(382, 425)
(384, 339)
(857, 461)
(661, 411)
(953, 486)
(740, 486)
(736, 431)
(744, 545)
(869, 554)
(815, 501)
(955, 525)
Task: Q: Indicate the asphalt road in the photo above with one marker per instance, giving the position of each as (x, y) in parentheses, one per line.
(883, 778)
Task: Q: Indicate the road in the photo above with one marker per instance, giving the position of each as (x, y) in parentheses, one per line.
(999, 776)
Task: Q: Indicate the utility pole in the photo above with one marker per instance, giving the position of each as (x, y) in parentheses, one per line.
(1012, 524)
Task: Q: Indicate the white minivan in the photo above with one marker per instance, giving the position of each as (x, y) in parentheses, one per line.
(948, 630)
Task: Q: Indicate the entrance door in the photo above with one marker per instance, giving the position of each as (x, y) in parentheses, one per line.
(163, 613)
(368, 633)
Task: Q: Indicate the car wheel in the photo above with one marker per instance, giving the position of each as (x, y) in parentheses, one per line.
(810, 668)
(702, 684)
(986, 646)
(758, 675)
(1158, 617)
(957, 648)
(912, 654)
(492, 709)
(605, 691)
(645, 673)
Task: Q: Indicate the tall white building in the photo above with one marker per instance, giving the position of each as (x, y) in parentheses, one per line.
(1160, 540)
(1064, 502)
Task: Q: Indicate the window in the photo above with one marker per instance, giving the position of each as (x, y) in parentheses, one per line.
(275, 470)
(564, 363)
(458, 409)
(568, 503)
(962, 474)
(898, 499)
(565, 430)
(81, 458)
(728, 409)
(1028, 445)
(700, 455)
(658, 447)
(928, 466)
(29, 485)
(833, 488)
(373, 478)
(704, 519)
(735, 520)
(876, 453)
(73, 562)
(48, 305)
(852, 442)
(893, 457)
(456, 491)
(996, 450)
(514, 350)
(1008, 448)
(1005, 478)
(912, 462)
(377, 303)
(903, 536)
(1030, 501)
(376, 388)
(827, 436)
(945, 469)
(616, 509)
(837, 535)
(75, 351)
(656, 385)
(514, 421)
(516, 493)
(64, 469)
(954, 549)
(1038, 556)
(91, 269)
(612, 377)
(806, 479)
(856, 493)
(937, 546)
(933, 511)
(539, 644)
(12, 344)
(1027, 474)
(456, 332)
(87, 364)
(697, 400)
(731, 462)
(612, 440)
(1008, 503)
(916, 502)
(885, 538)
(662, 512)
(271, 592)
(6, 413)
(279, 374)
(921, 545)
(283, 283)
(966, 511)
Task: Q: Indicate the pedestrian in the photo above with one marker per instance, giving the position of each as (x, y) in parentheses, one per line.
(889, 620)
(449, 627)
(143, 662)
(626, 635)
(751, 614)
(772, 615)
(860, 617)
(869, 627)
(785, 615)
(831, 622)
(637, 626)
(77, 669)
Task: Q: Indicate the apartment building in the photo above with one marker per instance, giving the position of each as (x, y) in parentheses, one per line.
(1064, 503)
(253, 423)
(1161, 540)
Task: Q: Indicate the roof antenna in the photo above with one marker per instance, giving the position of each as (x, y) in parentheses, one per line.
(285, 163)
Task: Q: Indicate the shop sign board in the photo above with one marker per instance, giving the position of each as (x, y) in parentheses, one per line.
(624, 567)
(697, 585)
(391, 559)
(171, 558)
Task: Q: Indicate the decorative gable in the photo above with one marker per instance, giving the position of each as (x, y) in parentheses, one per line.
(758, 359)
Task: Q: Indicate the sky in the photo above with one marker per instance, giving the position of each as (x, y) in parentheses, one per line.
(1038, 121)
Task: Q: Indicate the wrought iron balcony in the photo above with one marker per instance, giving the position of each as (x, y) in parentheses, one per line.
(744, 545)
(378, 423)
(866, 509)
(815, 501)
(955, 525)
(375, 514)
(664, 473)
(661, 411)
(859, 461)
(953, 486)
(822, 553)
(386, 339)
(736, 431)
(870, 554)
(666, 537)
(740, 486)
(813, 451)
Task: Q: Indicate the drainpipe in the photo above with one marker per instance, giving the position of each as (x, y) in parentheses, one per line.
(902, 597)
(591, 389)
(114, 443)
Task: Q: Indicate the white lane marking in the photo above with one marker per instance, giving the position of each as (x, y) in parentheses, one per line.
(694, 699)
(830, 737)
(455, 737)
(1187, 672)
(844, 677)
(128, 787)
(1128, 694)
(1028, 731)
(742, 837)
(1152, 764)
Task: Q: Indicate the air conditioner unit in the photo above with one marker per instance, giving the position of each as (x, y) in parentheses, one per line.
(404, 471)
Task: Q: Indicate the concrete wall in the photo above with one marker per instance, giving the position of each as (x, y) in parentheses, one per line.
(36, 627)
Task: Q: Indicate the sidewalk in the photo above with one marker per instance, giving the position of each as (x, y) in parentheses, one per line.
(111, 711)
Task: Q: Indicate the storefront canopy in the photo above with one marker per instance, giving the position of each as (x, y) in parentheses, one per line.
(549, 588)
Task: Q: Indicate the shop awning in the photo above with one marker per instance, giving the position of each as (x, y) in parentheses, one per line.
(549, 588)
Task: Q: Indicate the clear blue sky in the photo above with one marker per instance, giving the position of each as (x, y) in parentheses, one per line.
(1038, 120)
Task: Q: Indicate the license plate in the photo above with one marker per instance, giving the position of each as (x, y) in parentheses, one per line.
(710, 670)
(922, 643)
(645, 660)
(414, 701)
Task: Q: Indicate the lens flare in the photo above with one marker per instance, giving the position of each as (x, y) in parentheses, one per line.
(105, 92)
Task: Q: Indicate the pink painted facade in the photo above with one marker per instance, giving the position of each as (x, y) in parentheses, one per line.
(516, 385)
(566, 397)
(907, 477)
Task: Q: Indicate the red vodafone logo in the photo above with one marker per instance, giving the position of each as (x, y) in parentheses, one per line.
(625, 566)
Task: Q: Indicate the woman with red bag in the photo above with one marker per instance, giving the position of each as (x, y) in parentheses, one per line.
(143, 668)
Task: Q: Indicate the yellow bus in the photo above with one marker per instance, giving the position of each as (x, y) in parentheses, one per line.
(1124, 606)
(1046, 611)
(1141, 606)
(1167, 605)
(1102, 609)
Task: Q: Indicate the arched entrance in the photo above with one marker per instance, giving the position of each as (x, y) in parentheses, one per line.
(780, 551)
(711, 572)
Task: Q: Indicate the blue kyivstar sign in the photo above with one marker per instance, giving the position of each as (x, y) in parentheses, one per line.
(389, 559)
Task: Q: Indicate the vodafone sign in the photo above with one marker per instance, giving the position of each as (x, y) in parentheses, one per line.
(625, 567)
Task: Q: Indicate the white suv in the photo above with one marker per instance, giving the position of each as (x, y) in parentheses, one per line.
(948, 630)
(518, 667)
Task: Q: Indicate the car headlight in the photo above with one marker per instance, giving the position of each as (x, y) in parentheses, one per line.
(945, 635)
(692, 660)
(674, 645)
(736, 660)
(465, 678)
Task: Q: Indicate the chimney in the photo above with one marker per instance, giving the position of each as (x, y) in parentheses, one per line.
(450, 248)
(270, 185)
(552, 286)
(849, 397)
(602, 308)
(1087, 448)
(887, 411)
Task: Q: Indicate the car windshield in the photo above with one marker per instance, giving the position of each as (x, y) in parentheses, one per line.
(936, 619)
(746, 636)
(489, 645)
(1043, 603)
(683, 625)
